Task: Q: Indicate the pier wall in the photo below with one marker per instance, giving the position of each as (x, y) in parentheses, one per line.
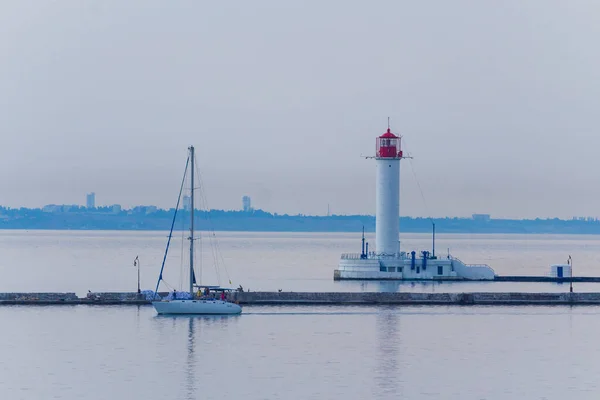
(71, 298)
(483, 298)
(116, 296)
(320, 298)
(38, 296)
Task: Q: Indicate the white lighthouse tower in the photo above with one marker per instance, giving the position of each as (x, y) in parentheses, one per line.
(388, 261)
(387, 220)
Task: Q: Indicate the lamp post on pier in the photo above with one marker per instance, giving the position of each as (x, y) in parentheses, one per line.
(570, 262)
(136, 262)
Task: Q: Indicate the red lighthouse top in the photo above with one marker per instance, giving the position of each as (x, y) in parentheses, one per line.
(388, 146)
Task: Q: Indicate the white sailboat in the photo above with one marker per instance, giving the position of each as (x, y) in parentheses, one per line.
(195, 304)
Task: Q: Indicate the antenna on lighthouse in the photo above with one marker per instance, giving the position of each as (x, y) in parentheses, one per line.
(388, 123)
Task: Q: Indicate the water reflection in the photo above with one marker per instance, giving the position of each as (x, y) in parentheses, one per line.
(137, 315)
(388, 375)
(207, 318)
(458, 286)
(191, 361)
(195, 325)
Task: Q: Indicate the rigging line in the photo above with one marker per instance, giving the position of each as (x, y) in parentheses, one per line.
(181, 255)
(168, 285)
(412, 168)
(200, 185)
(198, 237)
(216, 258)
(199, 258)
(201, 251)
(218, 255)
(172, 225)
(215, 251)
(202, 201)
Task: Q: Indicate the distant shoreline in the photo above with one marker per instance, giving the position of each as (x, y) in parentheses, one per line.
(152, 219)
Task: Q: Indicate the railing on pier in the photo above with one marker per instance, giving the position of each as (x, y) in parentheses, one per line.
(468, 265)
(402, 255)
(371, 255)
(351, 256)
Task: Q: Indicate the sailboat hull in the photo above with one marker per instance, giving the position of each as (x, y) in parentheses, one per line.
(204, 307)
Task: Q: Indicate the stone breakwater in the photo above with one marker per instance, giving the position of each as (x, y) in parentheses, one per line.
(317, 298)
(48, 298)
(38, 296)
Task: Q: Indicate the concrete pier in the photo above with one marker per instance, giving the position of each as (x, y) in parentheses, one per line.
(497, 278)
(321, 298)
(521, 278)
(374, 298)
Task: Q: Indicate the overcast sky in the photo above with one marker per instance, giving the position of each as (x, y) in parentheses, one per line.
(498, 102)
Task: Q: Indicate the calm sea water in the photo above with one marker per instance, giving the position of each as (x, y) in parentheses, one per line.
(78, 261)
(325, 352)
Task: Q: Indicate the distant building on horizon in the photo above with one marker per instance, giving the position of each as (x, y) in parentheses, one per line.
(116, 208)
(144, 209)
(246, 204)
(90, 200)
(187, 203)
(60, 208)
(151, 209)
(588, 219)
(49, 208)
(481, 217)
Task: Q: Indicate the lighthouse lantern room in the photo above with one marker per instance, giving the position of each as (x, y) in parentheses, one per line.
(388, 146)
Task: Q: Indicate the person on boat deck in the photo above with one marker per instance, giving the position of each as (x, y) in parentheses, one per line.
(223, 296)
(174, 294)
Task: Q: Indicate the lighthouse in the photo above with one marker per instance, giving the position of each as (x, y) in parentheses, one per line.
(388, 154)
(388, 262)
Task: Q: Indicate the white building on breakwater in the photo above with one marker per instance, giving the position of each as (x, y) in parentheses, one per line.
(387, 261)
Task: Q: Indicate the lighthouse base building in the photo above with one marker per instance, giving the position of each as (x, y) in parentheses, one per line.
(373, 266)
(387, 261)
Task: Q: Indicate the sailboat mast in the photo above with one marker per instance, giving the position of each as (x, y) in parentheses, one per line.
(193, 165)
